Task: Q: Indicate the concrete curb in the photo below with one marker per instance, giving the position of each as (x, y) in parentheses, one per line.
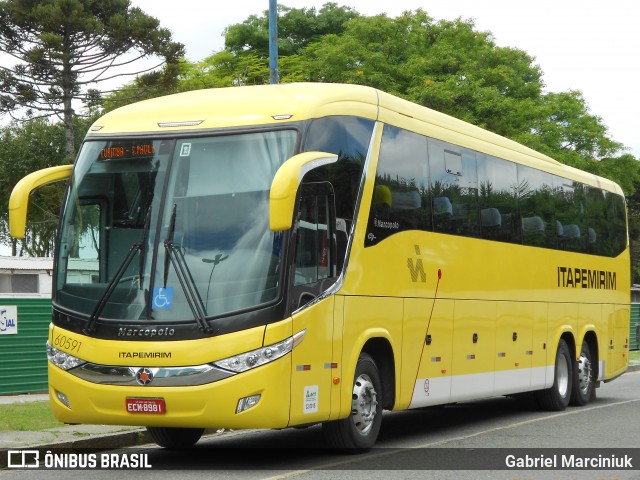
(104, 442)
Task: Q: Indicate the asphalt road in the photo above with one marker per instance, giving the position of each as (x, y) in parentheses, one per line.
(470, 440)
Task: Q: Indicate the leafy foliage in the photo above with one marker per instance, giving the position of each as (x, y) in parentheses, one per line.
(60, 47)
(297, 27)
(26, 147)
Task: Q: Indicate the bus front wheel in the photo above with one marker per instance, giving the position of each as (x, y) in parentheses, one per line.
(557, 397)
(359, 431)
(174, 438)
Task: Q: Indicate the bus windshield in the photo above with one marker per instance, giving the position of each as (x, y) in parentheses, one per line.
(171, 229)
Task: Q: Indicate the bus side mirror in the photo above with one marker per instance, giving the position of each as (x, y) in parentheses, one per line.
(284, 188)
(19, 200)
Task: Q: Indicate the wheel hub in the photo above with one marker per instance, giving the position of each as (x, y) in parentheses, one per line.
(585, 374)
(563, 377)
(363, 404)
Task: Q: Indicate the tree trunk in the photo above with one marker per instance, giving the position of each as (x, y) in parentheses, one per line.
(69, 147)
(67, 96)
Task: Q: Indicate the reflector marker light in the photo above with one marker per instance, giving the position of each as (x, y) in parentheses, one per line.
(188, 123)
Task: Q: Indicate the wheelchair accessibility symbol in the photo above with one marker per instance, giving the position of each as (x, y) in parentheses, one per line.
(162, 297)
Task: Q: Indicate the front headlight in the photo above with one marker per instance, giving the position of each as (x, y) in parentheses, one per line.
(255, 358)
(62, 359)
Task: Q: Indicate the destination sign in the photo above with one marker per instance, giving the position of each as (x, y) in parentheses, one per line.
(131, 151)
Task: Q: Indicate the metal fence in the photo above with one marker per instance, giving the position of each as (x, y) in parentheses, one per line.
(23, 356)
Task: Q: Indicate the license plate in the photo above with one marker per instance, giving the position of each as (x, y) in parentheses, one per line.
(149, 406)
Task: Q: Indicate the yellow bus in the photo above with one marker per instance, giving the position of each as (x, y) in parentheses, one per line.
(287, 255)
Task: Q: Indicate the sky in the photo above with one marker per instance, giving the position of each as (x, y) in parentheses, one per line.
(585, 45)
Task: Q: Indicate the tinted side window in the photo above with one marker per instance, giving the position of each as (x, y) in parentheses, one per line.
(596, 221)
(401, 192)
(349, 138)
(537, 207)
(569, 214)
(498, 185)
(454, 189)
(616, 218)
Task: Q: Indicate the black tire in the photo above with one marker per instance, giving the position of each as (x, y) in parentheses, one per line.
(175, 438)
(584, 378)
(558, 396)
(359, 431)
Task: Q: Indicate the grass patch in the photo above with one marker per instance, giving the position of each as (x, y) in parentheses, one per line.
(28, 417)
(634, 355)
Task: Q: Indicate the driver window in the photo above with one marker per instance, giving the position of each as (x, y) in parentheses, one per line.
(313, 245)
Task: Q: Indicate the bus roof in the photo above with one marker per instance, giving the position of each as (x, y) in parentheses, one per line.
(217, 108)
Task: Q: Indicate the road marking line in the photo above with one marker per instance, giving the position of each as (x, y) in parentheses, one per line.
(326, 466)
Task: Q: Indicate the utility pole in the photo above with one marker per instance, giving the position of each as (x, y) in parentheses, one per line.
(273, 42)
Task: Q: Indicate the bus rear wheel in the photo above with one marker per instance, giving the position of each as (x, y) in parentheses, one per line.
(583, 380)
(359, 431)
(557, 397)
(175, 438)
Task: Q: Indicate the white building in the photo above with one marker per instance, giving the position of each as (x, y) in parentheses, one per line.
(25, 277)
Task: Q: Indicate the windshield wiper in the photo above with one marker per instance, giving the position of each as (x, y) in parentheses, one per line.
(174, 255)
(145, 239)
(111, 286)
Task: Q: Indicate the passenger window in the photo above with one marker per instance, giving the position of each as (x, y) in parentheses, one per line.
(569, 210)
(596, 220)
(537, 208)
(616, 217)
(401, 195)
(498, 186)
(454, 189)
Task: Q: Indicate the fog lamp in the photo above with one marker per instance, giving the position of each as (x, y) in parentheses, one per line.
(63, 399)
(247, 402)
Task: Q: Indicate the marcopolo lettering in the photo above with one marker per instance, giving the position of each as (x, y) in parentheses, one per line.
(569, 277)
(386, 225)
(145, 332)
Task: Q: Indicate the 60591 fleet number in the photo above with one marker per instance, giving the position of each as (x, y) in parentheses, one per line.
(66, 343)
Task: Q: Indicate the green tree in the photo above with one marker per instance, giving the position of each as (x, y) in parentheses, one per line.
(24, 148)
(62, 47)
(444, 65)
(245, 59)
(297, 27)
(564, 129)
(169, 79)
